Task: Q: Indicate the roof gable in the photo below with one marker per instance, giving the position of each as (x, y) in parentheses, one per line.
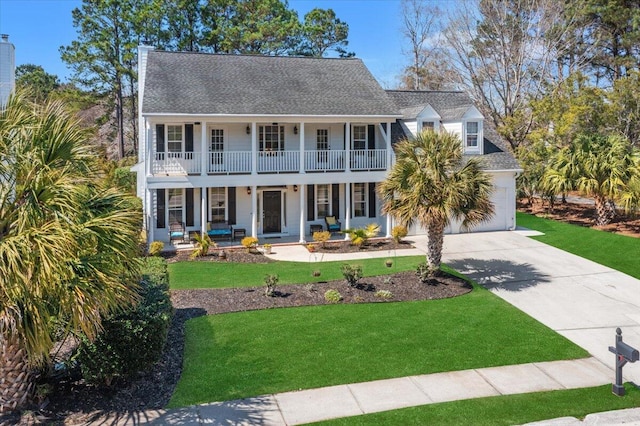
(213, 84)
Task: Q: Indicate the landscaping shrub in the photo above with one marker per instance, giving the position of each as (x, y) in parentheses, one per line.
(332, 296)
(203, 244)
(270, 282)
(249, 243)
(384, 294)
(399, 232)
(155, 248)
(321, 237)
(360, 236)
(352, 273)
(132, 340)
(426, 276)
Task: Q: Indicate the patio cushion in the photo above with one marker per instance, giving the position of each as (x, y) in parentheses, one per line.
(177, 234)
(330, 220)
(218, 232)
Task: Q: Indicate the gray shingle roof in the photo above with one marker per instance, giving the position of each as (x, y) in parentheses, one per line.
(452, 105)
(197, 83)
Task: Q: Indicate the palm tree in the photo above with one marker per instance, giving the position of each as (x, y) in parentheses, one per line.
(68, 246)
(431, 183)
(595, 165)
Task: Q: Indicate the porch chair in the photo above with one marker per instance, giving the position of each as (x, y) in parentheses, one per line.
(177, 232)
(333, 224)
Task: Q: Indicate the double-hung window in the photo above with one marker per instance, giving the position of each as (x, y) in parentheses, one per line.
(217, 198)
(359, 200)
(428, 125)
(359, 137)
(323, 201)
(176, 203)
(473, 130)
(174, 138)
(271, 138)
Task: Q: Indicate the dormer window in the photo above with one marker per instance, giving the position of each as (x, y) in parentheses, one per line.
(472, 134)
(428, 125)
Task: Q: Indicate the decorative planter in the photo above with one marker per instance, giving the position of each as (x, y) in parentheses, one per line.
(389, 263)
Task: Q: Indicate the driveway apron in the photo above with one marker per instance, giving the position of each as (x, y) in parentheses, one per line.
(578, 298)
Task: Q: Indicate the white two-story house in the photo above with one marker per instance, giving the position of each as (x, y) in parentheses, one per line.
(272, 145)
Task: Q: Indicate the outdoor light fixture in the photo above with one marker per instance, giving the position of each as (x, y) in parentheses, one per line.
(295, 188)
(248, 130)
(295, 130)
(248, 190)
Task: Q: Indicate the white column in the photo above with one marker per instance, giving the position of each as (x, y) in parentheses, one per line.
(149, 148)
(301, 133)
(347, 146)
(347, 208)
(387, 138)
(303, 224)
(203, 211)
(204, 149)
(389, 226)
(254, 211)
(254, 150)
(149, 215)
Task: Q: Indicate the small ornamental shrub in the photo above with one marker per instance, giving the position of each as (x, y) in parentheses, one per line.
(311, 247)
(270, 282)
(422, 271)
(321, 237)
(351, 273)
(132, 340)
(360, 236)
(398, 233)
(155, 248)
(249, 243)
(316, 273)
(203, 243)
(387, 281)
(332, 296)
(384, 294)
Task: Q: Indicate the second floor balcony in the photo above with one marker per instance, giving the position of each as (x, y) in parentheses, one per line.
(245, 162)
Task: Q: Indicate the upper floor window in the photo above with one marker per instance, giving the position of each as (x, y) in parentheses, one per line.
(217, 140)
(473, 131)
(428, 125)
(271, 138)
(174, 138)
(359, 137)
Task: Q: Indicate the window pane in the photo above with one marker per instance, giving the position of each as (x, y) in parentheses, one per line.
(359, 200)
(472, 140)
(472, 127)
(323, 198)
(217, 140)
(359, 137)
(218, 204)
(175, 205)
(428, 125)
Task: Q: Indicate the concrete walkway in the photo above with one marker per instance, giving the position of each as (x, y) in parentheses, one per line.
(579, 299)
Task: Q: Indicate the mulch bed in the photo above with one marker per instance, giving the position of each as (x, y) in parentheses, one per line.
(373, 245)
(75, 402)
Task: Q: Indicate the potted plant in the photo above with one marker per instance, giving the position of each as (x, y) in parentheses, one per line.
(316, 273)
(267, 248)
(389, 263)
(311, 248)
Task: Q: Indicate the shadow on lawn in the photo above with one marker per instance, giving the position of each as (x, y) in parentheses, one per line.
(500, 274)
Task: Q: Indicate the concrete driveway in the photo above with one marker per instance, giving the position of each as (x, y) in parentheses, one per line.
(580, 299)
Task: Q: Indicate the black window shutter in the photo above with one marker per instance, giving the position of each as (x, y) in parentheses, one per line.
(231, 195)
(335, 200)
(159, 137)
(160, 207)
(189, 201)
(371, 137)
(188, 138)
(311, 203)
(372, 199)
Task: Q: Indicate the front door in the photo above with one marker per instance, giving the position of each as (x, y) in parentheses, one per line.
(272, 212)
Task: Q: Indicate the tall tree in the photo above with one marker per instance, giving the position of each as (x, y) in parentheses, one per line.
(504, 55)
(421, 28)
(35, 79)
(430, 184)
(323, 31)
(68, 246)
(104, 55)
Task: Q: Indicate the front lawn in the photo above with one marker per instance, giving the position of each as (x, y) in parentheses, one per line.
(504, 410)
(187, 275)
(239, 355)
(616, 251)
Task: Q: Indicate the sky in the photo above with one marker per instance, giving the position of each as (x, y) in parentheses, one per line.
(38, 28)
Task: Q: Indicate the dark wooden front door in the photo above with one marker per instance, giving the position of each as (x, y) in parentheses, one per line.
(272, 212)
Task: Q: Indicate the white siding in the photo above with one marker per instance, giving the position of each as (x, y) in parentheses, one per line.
(7, 70)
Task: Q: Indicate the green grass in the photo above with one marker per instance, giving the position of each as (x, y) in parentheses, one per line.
(616, 251)
(504, 410)
(253, 353)
(187, 275)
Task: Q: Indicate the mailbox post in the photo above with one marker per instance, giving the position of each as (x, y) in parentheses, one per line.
(624, 353)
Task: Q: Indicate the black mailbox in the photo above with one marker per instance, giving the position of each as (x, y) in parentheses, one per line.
(629, 353)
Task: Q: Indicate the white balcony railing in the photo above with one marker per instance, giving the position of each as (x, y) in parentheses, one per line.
(278, 161)
(368, 159)
(325, 160)
(229, 162)
(177, 163)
